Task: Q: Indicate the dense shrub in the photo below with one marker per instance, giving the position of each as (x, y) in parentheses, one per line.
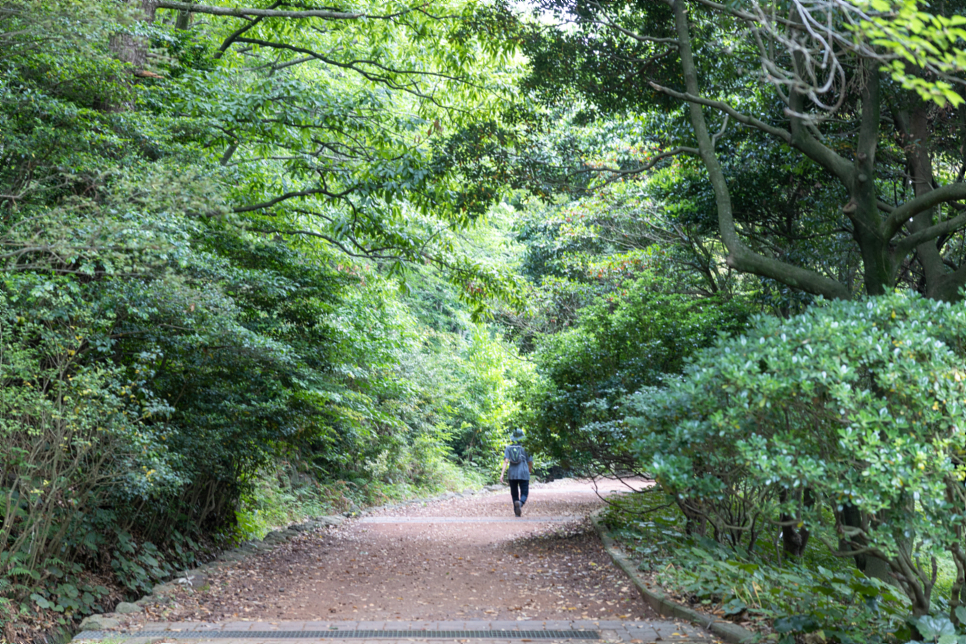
(161, 352)
(847, 420)
(631, 339)
(812, 593)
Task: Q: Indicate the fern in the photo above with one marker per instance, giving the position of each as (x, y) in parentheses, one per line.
(91, 540)
(20, 571)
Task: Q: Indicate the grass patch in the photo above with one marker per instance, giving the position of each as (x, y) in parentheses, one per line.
(285, 495)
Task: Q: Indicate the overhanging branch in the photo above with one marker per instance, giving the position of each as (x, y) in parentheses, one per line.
(781, 133)
(908, 243)
(911, 208)
(253, 12)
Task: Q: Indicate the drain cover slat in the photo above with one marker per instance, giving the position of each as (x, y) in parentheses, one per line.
(356, 634)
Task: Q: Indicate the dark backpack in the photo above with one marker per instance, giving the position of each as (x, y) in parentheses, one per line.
(516, 454)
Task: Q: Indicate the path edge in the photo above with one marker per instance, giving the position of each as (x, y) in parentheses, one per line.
(161, 592)
(731, 633)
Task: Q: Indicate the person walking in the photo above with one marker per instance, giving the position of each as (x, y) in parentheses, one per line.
(521, 464)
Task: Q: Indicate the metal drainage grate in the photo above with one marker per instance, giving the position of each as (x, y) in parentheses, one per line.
(369, 634)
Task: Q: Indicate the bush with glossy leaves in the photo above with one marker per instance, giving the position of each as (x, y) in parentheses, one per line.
(846, 422)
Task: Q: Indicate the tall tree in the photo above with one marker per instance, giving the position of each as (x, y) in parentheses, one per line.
(332, 124)
(798, 75)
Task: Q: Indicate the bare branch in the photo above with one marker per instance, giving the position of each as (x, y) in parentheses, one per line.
(724, 128)
(617, 174)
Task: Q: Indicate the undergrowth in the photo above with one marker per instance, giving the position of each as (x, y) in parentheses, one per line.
(285, 495)
(782, 598)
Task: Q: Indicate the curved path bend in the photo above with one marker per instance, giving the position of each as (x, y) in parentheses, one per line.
(463, 569)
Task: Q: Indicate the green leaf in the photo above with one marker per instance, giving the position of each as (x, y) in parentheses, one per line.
(933, 628)
(796, 624)
(41, 601)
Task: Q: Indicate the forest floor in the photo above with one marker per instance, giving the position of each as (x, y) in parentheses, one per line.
(461, 564)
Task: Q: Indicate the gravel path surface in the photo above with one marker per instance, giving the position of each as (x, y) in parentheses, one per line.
(464, 571)
(438, 561)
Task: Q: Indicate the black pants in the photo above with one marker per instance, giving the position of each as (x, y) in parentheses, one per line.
(519, 489)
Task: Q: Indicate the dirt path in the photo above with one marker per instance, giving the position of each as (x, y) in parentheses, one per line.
(465, 558)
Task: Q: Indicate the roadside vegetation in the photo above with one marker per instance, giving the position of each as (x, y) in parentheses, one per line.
(275, 260)
(751, 292)
(234, 291)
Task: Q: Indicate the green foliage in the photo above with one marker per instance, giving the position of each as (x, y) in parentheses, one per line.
(72, 597)
(918, 41)
(632, 338)
(809, 595)
(855, 405)
(204, 277)
(139, 566)
(845, 605)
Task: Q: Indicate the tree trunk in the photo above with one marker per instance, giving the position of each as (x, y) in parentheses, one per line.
(131, 49)
(183, 21)
(794, 538)
(870, 565)
(863, 208)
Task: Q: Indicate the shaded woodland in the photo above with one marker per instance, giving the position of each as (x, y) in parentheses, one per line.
(276, 260)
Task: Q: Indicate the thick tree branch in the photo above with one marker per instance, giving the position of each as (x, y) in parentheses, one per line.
(739, 256)
(807, 143)
(253, 12)
(810, 146)
(907, 244)
(911, 208)
(690, 97)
